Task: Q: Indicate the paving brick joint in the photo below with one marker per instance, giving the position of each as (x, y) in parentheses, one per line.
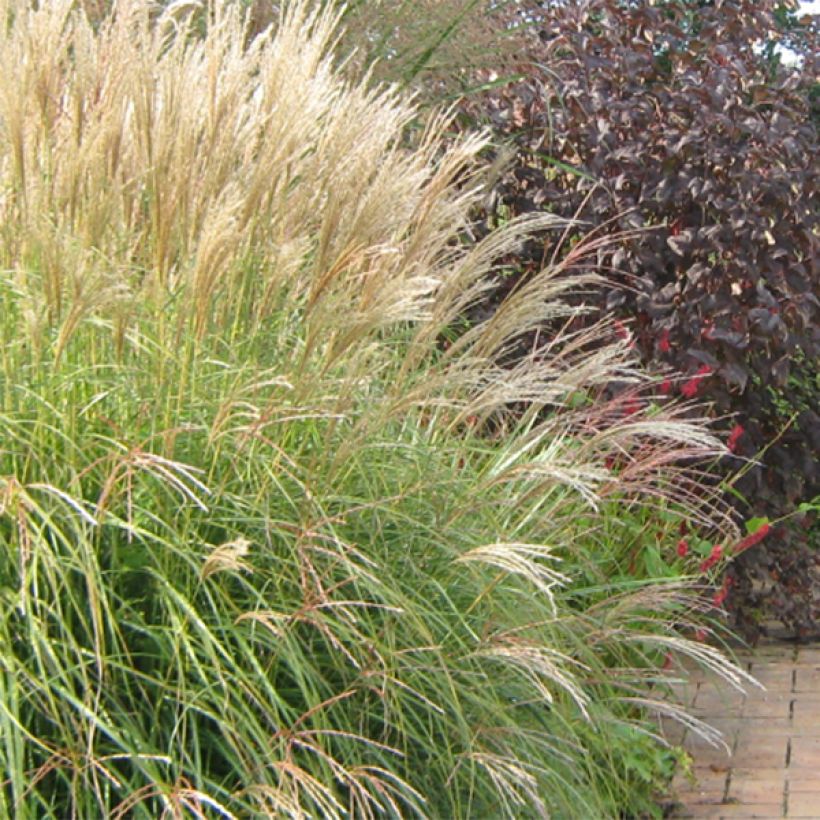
(772, 767)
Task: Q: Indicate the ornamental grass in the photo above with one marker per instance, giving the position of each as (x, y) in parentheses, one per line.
(275, 539)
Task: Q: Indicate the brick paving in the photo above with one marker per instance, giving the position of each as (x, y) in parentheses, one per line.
(772, 769)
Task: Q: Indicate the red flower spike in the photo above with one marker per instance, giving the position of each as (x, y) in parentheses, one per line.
(683, 548)
(714, 557)
(666, 386)
(754, 538)
(663, 342)
(723, 593)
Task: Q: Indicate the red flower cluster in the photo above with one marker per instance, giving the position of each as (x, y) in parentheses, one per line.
(754, 538)
(714, 557)
(683, 548)
(690, 389)
(666, 386)
(734, 437)
(720, 596)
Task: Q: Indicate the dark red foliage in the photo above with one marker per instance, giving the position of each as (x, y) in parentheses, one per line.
(734, 437)
(692, 386)
(668, 127)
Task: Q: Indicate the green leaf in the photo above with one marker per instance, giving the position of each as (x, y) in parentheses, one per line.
(569, 169)
(754, 524)
(654, 563)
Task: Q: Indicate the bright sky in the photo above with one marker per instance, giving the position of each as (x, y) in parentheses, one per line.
(807, 7)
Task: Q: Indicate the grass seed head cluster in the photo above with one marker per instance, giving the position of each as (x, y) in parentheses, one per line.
(258, 554)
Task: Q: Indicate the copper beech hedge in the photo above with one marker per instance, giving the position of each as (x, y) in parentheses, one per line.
(674, 130)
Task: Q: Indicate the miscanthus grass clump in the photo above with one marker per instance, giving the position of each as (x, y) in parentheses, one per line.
(271, 542)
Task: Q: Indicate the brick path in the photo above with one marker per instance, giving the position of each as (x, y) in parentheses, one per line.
(774, 736)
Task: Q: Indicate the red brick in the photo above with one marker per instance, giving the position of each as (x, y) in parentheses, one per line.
(770, 811)
(757, 786)
(769, 704)
(768, 755)
(776, 677)
(808, 656)
(804, 804)
(805, 753)
(806, 709)
(807, 679)
(803, 780)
